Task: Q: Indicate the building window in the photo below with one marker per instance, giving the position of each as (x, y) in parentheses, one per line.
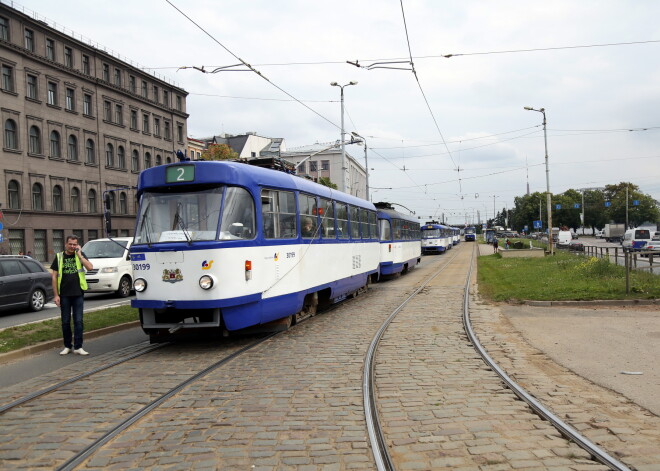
(119, 115)
(166, 98)
(73, 148)
(68, 57)
(107, 111)
(58, 240)
(178, 103)
(16, 241)
(169, 160)
(121, 157)
(85, 64)
(87, 104)
(179, 132)
(14, 195)
(313, 166)
(144, 89)
(57, 198)
(37, 197)
(113, 205)
(35, 140)
(131, 83)
(123, 204)
(147, 160)
(301, 168)
(118, 77)
(70, 99)
(55, 145)
(92, 234)
(106, 72)
(157, 127)
(90, 152)
(156, 95)
(40, 247)
(109, 156)
(29, 40)
(50, 49)
(52, 93)
(10, 135)
(91, 201)
(135, 161)
(134, 119)
(325, 165)
(75, 200)
(32, 91)
(4, 28)
(167, 129)
(145, 123)
(7, 78)
(159, 160)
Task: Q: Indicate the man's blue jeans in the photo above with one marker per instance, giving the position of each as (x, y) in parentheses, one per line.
(69, 304)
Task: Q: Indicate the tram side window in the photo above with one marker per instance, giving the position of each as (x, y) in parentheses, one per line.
(237, 215)
(355, 222)
(364, 223)
(342, 221)
(308, 216)
(278, 211)
(385, 230)
(373, 225)
(397, 229)
(327, 212)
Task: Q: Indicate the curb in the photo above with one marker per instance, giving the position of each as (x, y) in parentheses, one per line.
(41, 347)
(604, 302)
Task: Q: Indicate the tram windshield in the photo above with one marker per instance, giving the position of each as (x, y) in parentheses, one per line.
(194, 216)
(430, 234)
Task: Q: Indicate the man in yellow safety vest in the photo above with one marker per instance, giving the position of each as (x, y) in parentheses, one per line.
(69, 285)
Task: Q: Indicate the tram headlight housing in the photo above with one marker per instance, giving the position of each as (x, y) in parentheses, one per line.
(140, 284)
(206, 282)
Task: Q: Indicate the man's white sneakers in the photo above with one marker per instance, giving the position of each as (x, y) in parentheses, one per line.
(80, 351)
(65, 351)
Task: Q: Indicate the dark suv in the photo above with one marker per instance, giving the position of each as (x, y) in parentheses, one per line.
(24, 282)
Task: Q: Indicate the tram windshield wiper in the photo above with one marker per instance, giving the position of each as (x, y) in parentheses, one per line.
(178, 222)
(145, 218)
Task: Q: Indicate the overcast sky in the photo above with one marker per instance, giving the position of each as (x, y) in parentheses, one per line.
(602, 103)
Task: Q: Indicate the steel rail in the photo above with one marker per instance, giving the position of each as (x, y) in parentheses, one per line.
(57, 386)
(566, 430)
(374, 430)
(89, 450)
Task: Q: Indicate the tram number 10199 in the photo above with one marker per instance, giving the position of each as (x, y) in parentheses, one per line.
(141, 266)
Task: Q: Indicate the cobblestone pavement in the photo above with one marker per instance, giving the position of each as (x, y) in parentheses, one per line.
(48, 431)
(295, 402)
(441, 407)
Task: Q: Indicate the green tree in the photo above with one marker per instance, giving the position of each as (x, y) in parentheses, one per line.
(645, 210)
(219, 152)
(325, 181)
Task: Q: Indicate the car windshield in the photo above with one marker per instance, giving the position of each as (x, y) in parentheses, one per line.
(105, 248)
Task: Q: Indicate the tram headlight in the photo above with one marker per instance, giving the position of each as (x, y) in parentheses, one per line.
(206, 282)
(140, 284)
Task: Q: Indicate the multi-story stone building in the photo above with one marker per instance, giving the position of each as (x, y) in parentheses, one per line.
(77, 122)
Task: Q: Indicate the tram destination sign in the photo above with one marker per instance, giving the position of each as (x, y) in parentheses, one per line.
(180, 173)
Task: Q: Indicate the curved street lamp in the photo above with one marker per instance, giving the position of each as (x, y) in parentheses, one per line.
(343, 147)
(366, 162)
(547, 178)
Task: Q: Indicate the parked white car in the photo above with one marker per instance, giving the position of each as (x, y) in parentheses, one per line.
(564, 238)
(113, 271)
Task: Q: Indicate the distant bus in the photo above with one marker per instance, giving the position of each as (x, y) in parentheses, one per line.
(470, 234)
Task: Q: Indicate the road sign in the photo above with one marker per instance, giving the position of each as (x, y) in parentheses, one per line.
(576, 205)
(1, 226)
(538, 224)
(635, 202)
(558, 206)
(2, 238)
(608, 204)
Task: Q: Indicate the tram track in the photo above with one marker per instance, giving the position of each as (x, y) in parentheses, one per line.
(378, 436)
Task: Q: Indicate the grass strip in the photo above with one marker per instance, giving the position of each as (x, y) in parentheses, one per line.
(562, 277)
(17, 337)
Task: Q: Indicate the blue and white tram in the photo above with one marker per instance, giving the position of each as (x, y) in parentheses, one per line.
(400, 244)
(470, 234)
(455, 235)
(228, 245)
(436, 238)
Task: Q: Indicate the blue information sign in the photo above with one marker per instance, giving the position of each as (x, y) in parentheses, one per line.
(558, 206)
(608, 204)
(1, 226)
(576, 205)
(635, 202)
(538, 224)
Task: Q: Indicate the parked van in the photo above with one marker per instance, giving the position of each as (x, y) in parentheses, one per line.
(636, 239)
(564, 238)
(112, 270)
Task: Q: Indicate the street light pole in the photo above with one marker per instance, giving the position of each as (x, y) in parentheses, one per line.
(343, 147)
(366, 162)
(547, 178)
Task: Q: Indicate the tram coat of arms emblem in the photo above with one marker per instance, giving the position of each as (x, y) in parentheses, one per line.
(172, 276)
